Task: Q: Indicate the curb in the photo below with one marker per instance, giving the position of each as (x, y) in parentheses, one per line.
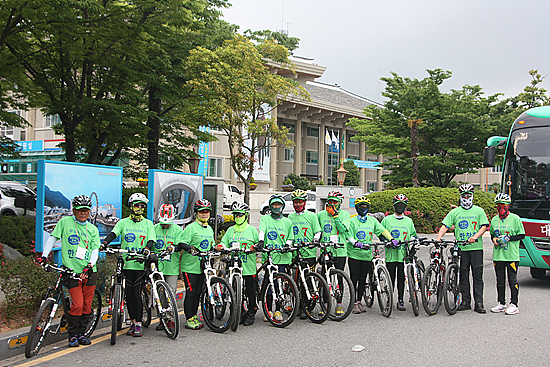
(13, 343)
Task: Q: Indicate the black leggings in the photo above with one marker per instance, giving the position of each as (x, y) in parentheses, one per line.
(193, 289)
(250, 289)
(134, 284)
(400, 267)
(501, 267)
(358, 270)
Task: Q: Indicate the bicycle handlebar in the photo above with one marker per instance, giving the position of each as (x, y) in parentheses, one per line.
(62, 270)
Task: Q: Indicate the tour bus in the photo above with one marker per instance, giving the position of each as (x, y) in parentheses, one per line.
(526, 178)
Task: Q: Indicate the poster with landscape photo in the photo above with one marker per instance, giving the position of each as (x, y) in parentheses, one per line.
(59, 182)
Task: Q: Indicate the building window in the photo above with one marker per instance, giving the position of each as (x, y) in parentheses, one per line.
(290, 127)
(289, 154)
(313, 132)
(332, 159)
(312, 157)
(352, 141)
(371, 186)
(215, 167)
(6, 130)
(51, 120)
(353, 157)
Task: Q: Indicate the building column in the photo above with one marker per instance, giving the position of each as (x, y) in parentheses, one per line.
(298, 147)
(322, 148)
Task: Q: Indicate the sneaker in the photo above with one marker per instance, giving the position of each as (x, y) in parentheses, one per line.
(171, 325)
(498, 308)
(193, 323)
(278, 316)
(82, 340)
(73, 342)
(361, 307)
(400, 306)
(249, 320)
(356, 308)
(464, 306)
(512, 309)
(270, 315)
(131, 330)
(137, 331)
(479, 308)
(339, 310)
(159, 327)
(303, 316)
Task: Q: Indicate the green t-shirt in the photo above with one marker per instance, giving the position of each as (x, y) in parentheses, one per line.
(401, 229)
(199, 237)
(467, 223)
(246, 239)
(277, 232)
(166, 237)
(510, 226)
(73, 236)
(134, 237)
(363, 232)
(304, 227)
(335, 227)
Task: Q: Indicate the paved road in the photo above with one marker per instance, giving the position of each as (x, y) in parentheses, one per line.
(465, 339)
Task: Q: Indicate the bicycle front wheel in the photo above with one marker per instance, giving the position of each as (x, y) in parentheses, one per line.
(431, 297)
(218, 309)
(237, 288)
(39, 328)
(146, 301)
(280, 301)
(167, 309)
(384, 290)
(96, 313)
(368, 296)
(412, 289)
(317, 305)
(116, 317)
(451, 293)
(343, 295)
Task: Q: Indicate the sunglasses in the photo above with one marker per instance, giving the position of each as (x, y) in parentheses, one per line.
(238, 215)
(140, 205)
(204, 211)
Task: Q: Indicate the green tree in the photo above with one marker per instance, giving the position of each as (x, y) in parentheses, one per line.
(452, 128)
(239, 92)
(291, 43)
(299, 182)
(352, 177)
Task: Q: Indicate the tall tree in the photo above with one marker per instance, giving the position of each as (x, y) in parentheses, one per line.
(451, 128)
(239, 91)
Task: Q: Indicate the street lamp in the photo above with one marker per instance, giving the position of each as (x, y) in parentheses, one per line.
(194, 164)
(341, 174)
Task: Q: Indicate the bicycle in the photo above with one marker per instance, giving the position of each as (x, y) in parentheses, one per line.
(218, 301)
(278, 291)
(314, 294)
(451, 284)
(432, 283)
(158, 291)
(379, 281)
(341, 289)
(414, 270)
(42, 324)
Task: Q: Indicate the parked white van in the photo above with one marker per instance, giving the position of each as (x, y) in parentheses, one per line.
(231, 194)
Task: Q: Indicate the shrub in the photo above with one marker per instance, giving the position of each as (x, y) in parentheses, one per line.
(18, 233)
(428, 206)
(299, 182)
(287, 181)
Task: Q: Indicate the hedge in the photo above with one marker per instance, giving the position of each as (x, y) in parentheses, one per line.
(428, 206)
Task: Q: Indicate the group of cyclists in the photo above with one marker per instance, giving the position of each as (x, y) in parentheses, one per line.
(333, 225)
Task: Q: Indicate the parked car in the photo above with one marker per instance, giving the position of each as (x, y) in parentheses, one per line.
(231, 194)
(17, 200)
(289, 208)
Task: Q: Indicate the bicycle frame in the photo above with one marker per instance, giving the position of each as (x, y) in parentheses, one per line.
(302, 269)
(270, 270)
(326, 258)
(412, 260)
(60, 297)
(377, 262)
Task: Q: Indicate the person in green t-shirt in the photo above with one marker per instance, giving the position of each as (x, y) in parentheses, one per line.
(305, 227)
(506, 233)
(362, 229)
(169, 237)
(401, 228)
(276, 232)
(137, 233)
(470, 222)
(79, 252)
(334, 223)
(198, 236)
(245, 237)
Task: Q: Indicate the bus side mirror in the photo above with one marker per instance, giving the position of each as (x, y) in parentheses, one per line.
(489, 154)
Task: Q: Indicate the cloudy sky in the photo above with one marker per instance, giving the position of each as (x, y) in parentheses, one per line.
(491, 43)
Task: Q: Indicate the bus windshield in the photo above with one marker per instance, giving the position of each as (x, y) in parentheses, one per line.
(527, 167)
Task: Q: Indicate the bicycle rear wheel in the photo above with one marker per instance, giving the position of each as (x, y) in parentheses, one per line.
(343, 295)
(116, 317)
(39, 328)
(167, 309)
(280, 301)
(451, 293)
(317, 306)
(384, 291)
(431, 295)
(218, 313)
(146, 300)
(96, 313)
(412, 289)
(237, 288)
(368, 296)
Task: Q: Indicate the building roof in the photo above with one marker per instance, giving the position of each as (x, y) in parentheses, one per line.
(336, 95)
